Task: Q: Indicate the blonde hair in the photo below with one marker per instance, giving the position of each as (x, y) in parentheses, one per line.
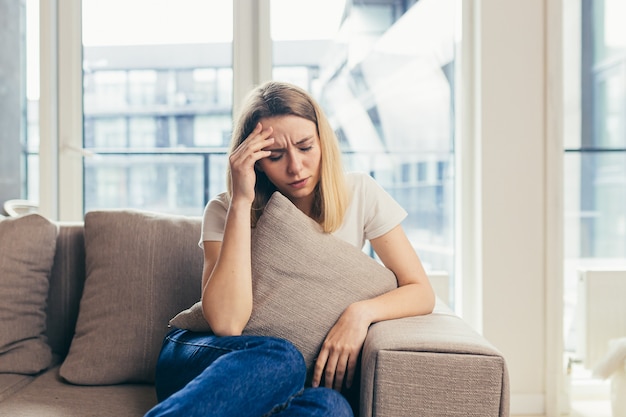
(281, 99)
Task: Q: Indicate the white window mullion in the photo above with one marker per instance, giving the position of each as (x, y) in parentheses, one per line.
(70, 111)
(252, 47)
(48, 112)
(468, 286)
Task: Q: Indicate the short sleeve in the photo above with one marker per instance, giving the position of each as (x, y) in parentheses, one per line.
(372, 211)
(382, 212)
(214, 219)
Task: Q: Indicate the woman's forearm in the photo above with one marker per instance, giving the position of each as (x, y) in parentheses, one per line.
(405, 301)
(227, 292)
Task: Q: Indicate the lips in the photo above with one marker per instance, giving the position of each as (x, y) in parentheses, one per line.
(299, 184)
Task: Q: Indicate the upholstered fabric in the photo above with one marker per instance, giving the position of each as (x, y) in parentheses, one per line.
(49, 396)
(66, 285)
(433, 365)
(141, 269)
(27, 247)
(303, 279)
(11, 383)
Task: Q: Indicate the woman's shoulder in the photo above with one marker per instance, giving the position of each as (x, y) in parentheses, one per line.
(357, 177)
(359, 181)
(218, 204)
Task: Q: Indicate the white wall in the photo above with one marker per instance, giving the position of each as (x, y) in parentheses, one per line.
(513, 164)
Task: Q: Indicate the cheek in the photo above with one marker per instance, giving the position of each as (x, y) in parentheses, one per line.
(266, 167)
(316, 160)
(262, 165)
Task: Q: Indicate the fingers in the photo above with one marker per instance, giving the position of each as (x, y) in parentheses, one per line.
(259, 138)
(318, 369)
(352, 363)
(335, 366)
(243, 159)
(340, 372)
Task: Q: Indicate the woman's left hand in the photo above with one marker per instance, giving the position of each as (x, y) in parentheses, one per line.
(338, 356)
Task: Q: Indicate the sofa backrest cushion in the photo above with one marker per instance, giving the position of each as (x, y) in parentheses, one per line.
(27, 246)
(141, 268)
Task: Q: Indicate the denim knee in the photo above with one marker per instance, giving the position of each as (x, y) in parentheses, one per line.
(318, 402)
(185, 355)
(284, 352)
(336, 404)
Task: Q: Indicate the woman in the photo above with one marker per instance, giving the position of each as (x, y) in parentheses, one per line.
(283, 142)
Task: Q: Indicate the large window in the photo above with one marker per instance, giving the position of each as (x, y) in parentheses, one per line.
(595, 178)
(156, 94)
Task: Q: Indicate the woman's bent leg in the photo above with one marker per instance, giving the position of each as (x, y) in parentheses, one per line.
(202, 375)
(317, 402)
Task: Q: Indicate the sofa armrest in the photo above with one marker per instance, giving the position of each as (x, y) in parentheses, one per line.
(433, 365)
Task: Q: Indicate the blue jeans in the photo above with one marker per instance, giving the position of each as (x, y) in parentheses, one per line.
(241, 376)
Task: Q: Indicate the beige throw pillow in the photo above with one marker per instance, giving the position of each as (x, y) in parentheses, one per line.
(27, 246)
(141, 269)
(303, 279)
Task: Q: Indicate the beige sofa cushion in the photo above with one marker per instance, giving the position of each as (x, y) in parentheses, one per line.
(49, 396)
(27, 246)
(141, 269)
(303, 279)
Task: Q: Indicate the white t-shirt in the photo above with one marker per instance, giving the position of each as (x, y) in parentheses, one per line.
(372, 212)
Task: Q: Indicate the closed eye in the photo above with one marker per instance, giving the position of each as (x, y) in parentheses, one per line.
(275, 156)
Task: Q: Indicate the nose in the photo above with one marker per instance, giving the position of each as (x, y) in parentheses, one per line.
(294, 165)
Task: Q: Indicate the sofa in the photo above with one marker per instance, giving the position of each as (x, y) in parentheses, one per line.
(84, 308)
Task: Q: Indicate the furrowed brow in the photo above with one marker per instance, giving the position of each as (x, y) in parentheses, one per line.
(301, 141)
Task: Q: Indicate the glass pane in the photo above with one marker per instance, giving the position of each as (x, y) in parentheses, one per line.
(31, 165)
(161, 182)
(594, 182)
(157, 101)
(609, 40)
(610, 106)
(19, 92)
(384, 73)
(595, 223)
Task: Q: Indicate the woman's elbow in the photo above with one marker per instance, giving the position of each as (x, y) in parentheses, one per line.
(226, 330)
(223, 324)
(428, 299)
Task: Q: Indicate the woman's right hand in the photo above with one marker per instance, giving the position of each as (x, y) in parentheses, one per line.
(243, 159)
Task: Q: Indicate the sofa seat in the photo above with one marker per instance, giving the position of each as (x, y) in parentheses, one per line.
(47, 395)
(11, 383)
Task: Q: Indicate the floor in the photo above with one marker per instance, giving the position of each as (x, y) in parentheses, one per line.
(591, 409)
(590, 398)
(586, 409)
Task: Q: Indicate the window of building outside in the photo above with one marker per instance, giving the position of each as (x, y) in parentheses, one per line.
(384, 72)
(595, 173)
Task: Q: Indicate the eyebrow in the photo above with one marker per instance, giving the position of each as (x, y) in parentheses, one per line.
(300, 142)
